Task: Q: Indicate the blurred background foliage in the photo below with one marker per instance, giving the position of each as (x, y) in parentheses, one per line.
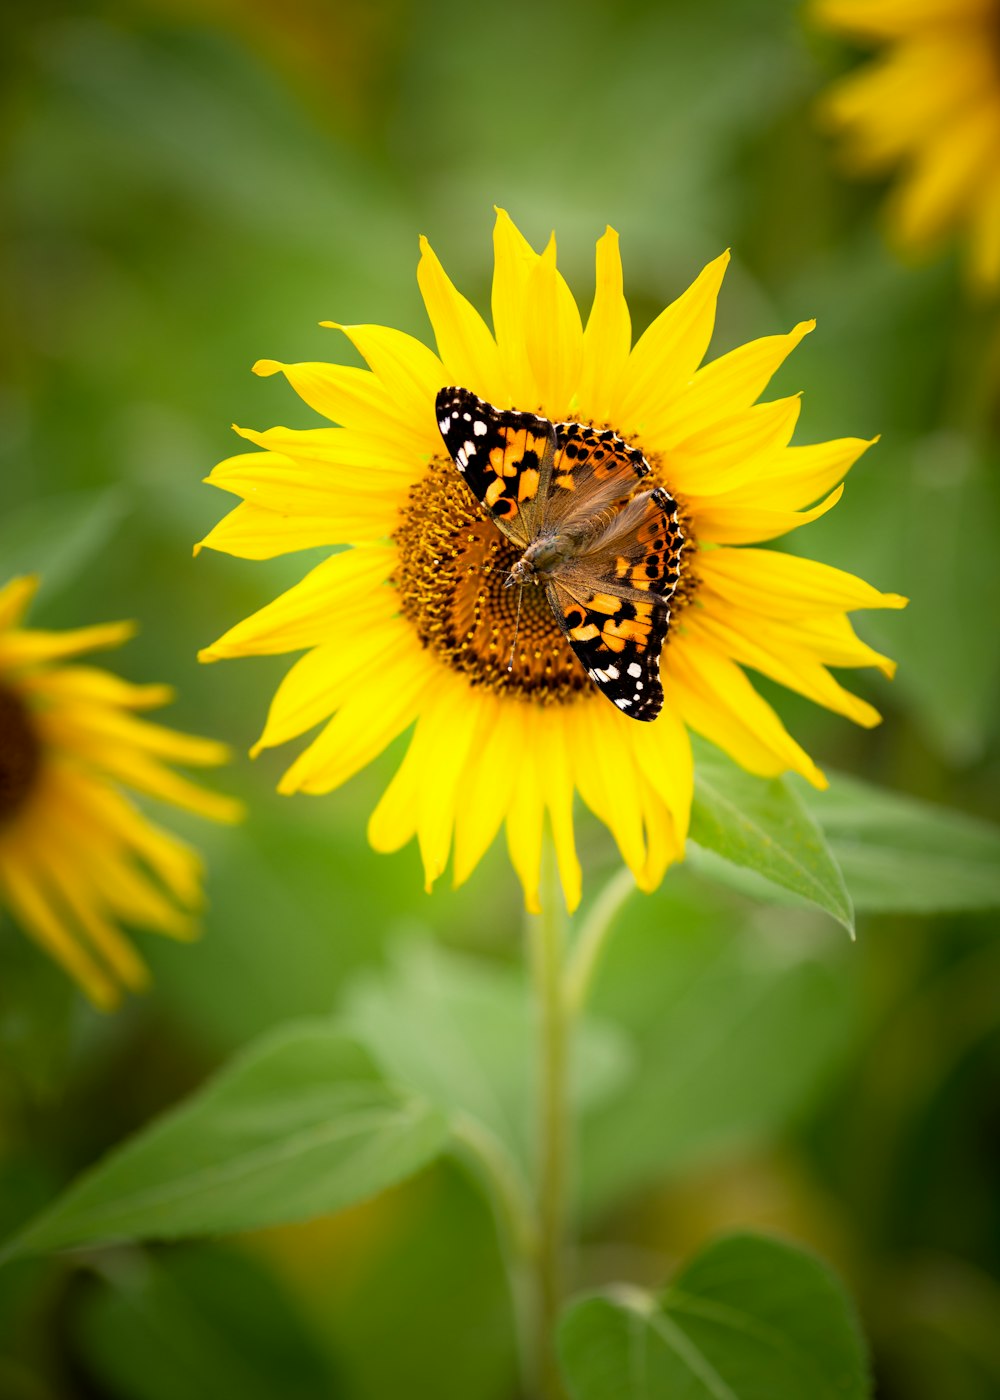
(192, 184)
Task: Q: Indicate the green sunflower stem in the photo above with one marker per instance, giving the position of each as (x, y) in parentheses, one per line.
(546, 947)
(589, 946)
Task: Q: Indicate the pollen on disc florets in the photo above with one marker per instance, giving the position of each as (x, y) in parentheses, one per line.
(20, 754)
(453, 564)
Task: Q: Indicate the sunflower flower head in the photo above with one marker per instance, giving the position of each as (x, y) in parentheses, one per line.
(928, 107)
(413, 625)
(78, 859)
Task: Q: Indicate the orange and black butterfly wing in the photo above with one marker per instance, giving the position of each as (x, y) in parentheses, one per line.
(613, 602)
(593, 469)
(505, 456)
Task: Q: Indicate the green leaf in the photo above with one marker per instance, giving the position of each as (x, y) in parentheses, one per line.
(199, 1321)
(750, 1318)
(762, 825)
(898, 853)
(461, 1032)
(299, 1125)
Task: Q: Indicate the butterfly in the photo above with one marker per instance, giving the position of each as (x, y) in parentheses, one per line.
(608, 559)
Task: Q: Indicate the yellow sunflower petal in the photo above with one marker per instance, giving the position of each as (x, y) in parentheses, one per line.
(884, 19)
(339, 497)
(322, 680)
(723, 387)
(91, 685)
(254, 532)
(376, 712)
(351, 454)
(559, 800)
(663, 755)
(410, 372)
(667, 354)
(355, 398)
(526, 817)
(830, 637)
(717, 701)
(663, 843)
(467, 349)
(793, 477)
(785, 585)
(513, 258)
(108, 942)
(106, 725)
(605, 775)
(301, 617)
(985, 250)
(24, 892)
(141, 772)
(489, 788)
(727, 454)
(15, 597)
(892, 106)
(737, 524)
(608, 335)
(553, 334)
(30, 647)
(421, 799)
(452, 734)
(791, 665)
(945, 177)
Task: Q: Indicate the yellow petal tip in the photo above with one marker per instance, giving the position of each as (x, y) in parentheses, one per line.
(267, 367)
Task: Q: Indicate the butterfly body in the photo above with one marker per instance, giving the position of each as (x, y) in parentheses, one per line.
(608, 557)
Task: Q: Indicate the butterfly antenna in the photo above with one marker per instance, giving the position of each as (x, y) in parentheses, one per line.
(517, 620)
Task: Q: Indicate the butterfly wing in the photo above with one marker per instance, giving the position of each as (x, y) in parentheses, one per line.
(613, 602)
(593, 468)
(505, 456)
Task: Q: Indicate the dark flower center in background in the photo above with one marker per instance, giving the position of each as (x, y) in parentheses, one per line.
(452, 565)
(20, 754)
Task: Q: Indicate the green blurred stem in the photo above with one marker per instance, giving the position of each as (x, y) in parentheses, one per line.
(546, 945)
(516, 1224)
(586, 954)
(506, 1182)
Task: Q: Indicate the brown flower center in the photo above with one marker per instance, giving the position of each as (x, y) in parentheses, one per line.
(453, 562)
(20, 754)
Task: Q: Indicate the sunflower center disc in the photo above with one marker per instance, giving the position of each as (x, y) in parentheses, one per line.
(453, 562)
(20, 754)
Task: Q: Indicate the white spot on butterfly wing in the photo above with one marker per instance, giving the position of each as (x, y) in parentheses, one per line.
(479, 428)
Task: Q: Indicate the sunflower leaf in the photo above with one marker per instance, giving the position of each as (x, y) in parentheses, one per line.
(763, 826)
(299, 1125)
(460, 1032)
(898, 853)
(749, 1316)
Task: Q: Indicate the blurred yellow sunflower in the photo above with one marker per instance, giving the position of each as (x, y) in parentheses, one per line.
(412, 623)
(929, 104)
(77, 857)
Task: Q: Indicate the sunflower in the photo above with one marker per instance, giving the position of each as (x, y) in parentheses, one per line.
(929, 104)
(412, 625)
(77, 857)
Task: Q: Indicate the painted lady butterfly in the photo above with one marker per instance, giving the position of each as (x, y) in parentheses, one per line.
(609, 561)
